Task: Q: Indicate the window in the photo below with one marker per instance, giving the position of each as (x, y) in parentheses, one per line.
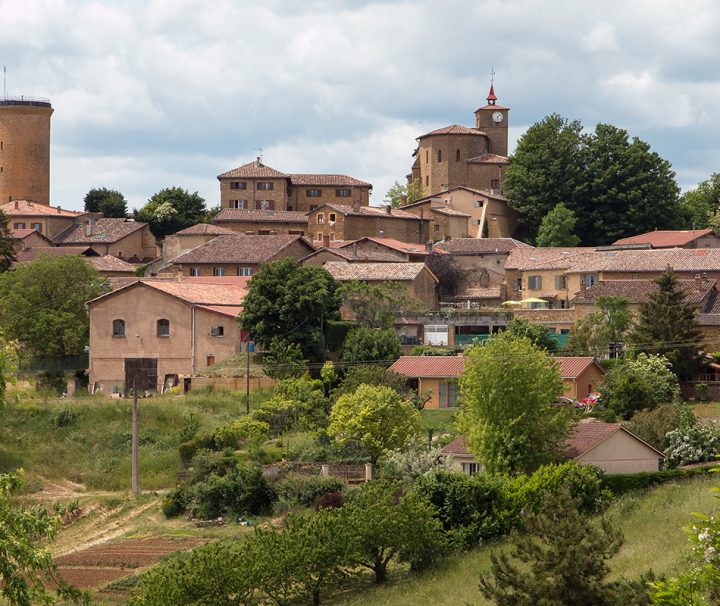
(471, 468)
(332, 235)
(19, 225)
(295, 232)
(589, 279)
(314, 193)
(560, 282)
(210, 360)
(118, 328)
(321, 218)
(343, 193)
(37, 226)
(238, 203)
(194, 271)
(457, 155)
(517, 284)
(427, 180)
(263, 232)
(564, 304)
(238, 185)
(494, 183)
(217, 331)
(265, 204)
(478, 203)
(244, 271)
(427, 156)
(534, 282)
(163, 328)
(265, 185)
(439, 155)
(437, 227)
(218, 271)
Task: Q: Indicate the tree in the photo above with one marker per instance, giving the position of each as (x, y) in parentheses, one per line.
(370, 345)
(370, 374)
(284, 360)
(8, 366)
(507, 413)
(538, 334)
(290, 301)
(24, 564)
(7, 246)
(667, 326)
(562, 561)
(171, 210)
(252, 432)
(42, 304)
(546, 168)
(400, 194)
(387, 524)
(109, 202)
(557, 228)
(378, 304)
(654, 425)
(698, 205)
(603, 331)
(449, 274)
(375, 417)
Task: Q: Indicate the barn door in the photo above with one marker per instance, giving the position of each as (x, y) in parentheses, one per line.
(143, 371)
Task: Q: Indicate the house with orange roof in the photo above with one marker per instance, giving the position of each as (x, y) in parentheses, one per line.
(581, 375)
(680, 238)
(433, 377)
(48, 220)
(28, 238)
(161, 330)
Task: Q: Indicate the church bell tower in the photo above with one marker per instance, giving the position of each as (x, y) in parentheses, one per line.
(492, 119)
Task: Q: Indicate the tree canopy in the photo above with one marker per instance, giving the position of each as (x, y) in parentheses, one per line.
(378, 304)
(557, 228)
(171, 210)
(290, 302)
(42, 304)
(404, 193)
(109, 202)
(601, 332)
(368, 345)
(698, 206)
(538, 334)
(7, 246)
(507, 413)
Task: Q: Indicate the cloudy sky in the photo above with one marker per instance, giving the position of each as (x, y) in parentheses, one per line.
(157, 93)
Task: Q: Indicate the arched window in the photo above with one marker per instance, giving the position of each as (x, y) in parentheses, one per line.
(163, 328)
(457, 155)
(118, 328)
(439, 155)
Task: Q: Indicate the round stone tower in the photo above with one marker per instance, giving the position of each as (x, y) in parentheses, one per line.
(25, 149)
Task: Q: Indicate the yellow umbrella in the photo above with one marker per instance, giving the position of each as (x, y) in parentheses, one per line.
(511, 303)
(533, 300)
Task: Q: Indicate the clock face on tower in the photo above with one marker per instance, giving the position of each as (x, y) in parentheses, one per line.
(497, 117)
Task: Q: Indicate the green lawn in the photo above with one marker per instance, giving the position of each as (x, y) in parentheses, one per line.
(652, 523)
(439, 419)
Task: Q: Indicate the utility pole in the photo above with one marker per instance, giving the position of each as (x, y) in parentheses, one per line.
(135, 471)
(247, 378)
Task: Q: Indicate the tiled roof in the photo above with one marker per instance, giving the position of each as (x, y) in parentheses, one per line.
(33, 252)
(405, 247)
(488, 106)
(665, 239)
(489, 159)
(371, 211)
(444, 210)
(480, 292)
(639, 291)
(586, 435)
(456, 447)
(238, 248)
(373, 271)
(253, 169)
(331, 180)
(231, 311)
(482, 246)
(336, 252)
(203, 229)
(235, 215)
(109, 263)
(19, 234)
(104, 231)
(573, 367)
(480, 192)
(454, 129)
(521, 257)
(429, 366)
(23, 207)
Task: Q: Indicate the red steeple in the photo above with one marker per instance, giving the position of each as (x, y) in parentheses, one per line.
(491, 98)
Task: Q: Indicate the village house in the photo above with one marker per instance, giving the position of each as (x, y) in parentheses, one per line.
(48, 220)
(256, 186)
(687, 238)
(159, 331)
(581, 376)
(366, 250)
(106, 265)
(416, 277)
(239, 255)
(340, 222)
(28, 238)
(610, 447)
(262, 222)
(433, 377)
(191, 237)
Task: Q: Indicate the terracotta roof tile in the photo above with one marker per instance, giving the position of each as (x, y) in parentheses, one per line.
(329, 180)
(109, 263)
(33, 252)
(252, 170)
(530, 258)
(371, 211)
(639, 291)
(665, 239)
(239, 248)
(429, 366)
(202, 229)
(405, 247)
(573, 367)
(489, 159)
(234, 215)
(19, 234)
(103, 231)
(454, 129)
(456, 447)
(482, 246)
(33, 209)
(373, 271)
(444, 210)
(586, 435)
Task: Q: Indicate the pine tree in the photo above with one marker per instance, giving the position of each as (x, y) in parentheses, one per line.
(7, 249)
(667, 326)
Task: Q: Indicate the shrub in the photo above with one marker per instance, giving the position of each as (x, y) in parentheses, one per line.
(336, 331)
(65, 416)
(654, 425)
(306, 490)
(171, 507)
(620, 483)
(330, 500)
(371, 345)
(694, 444)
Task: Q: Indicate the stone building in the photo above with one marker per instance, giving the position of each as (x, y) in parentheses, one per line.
(191, 237)
(123, 238)
(457, 155)
(256, 186)
(48, 220)
(25, 150)
(685, 238)
(262, 222)
(341, 222)
(28, 238)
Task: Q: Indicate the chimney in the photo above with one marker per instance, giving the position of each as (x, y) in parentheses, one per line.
(388, 209)
(258, 162)
(59, 210)
(356, 206)
(89, 226)
(17, 204)
(698, 283)
(403, 200)
(326, 241)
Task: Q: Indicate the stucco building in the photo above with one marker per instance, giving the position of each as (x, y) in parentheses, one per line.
(48, 220)
(433, 377)
(123, 238)
(687, 238)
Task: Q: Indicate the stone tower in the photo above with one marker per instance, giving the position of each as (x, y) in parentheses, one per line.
(25, 149)
(493, 120)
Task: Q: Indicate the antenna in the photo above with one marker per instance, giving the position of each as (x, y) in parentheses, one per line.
(492, 75)
(259, 150)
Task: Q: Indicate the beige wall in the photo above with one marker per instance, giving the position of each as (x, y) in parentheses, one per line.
(208, 269)
(354, 227)
(323, 257)
(423, 288)
(300, 201)
(50, 225)
(33, 240)
(586, 383)
(621, 453)
(433, 386)
(271, 227)
(140, 243)
(176, 245)
(447, 172)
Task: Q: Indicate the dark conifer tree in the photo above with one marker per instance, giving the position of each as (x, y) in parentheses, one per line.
(7, 248)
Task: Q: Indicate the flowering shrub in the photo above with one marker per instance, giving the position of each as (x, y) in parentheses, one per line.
(693, 444)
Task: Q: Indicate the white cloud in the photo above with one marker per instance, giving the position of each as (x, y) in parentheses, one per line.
(601, 37)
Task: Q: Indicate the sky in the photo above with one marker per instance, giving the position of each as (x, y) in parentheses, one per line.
(159, 93)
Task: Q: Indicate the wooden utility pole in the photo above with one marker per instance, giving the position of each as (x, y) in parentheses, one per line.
(247, 379)
(135, 461)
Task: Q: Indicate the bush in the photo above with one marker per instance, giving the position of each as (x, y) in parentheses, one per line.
(621, 483)
(171, 507)
(654, 425)
(430, 350)
(306, 490)
(336, 331)
(371, 345)
(65, 416)
(694, 444)
(330, 500)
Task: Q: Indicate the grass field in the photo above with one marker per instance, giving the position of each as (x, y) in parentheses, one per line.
(652, 523)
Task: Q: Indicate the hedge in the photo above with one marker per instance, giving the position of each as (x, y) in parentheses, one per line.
(620, 483)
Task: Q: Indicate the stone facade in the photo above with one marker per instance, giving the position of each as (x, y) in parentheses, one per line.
(25, 150)
(262, 222)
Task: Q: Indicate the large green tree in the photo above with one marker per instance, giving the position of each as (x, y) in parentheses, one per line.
(171, 210)
(375, 417)
(42, 304)
(508, 415)
(290, 302)
(110, 202)
(701, 203)
(630, 188)
(378, 304)
(603, 331)
(539, 334)
(667, 325)
(404, 193)
(547, 168)
(557, 228)
(7, 247)
(367, 345)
